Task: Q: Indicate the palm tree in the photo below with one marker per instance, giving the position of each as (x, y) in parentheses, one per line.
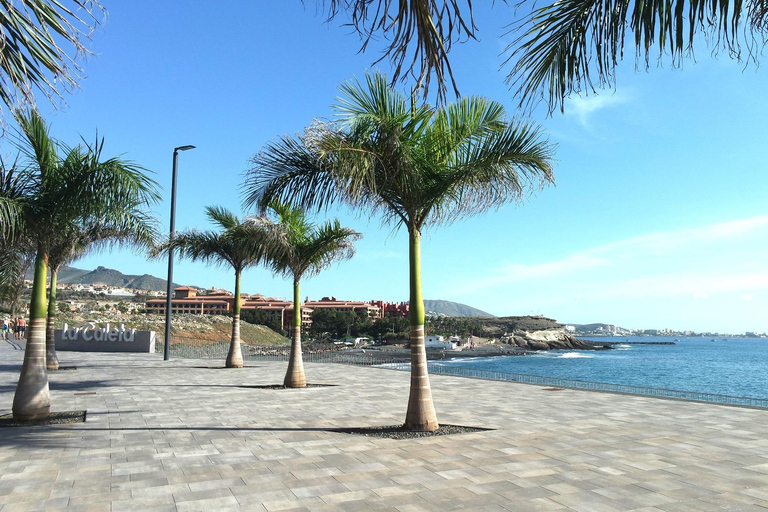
(416, 166)
(568, 46)
(76, 185)
(74, 239)
(38, 39)
(307, 250)
(238, 244)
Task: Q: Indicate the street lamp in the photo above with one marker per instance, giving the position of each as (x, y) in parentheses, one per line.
(167, 348)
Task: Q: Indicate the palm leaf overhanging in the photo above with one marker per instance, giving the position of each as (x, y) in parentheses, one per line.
(575, 45)
(419, 35)
(414, 165)
(41, 40)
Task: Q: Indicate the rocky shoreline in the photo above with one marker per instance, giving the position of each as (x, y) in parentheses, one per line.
(521, 343)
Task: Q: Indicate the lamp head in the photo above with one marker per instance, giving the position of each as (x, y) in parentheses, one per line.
(183, 148)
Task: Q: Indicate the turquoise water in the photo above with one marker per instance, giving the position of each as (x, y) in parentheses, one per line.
(726, 366)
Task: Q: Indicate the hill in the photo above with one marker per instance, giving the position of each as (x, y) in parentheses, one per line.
(108, 277)
(448, 308)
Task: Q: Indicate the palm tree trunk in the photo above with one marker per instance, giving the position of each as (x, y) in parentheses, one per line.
(235, 356)
(51, 359)
(294, 377)
(32, 399)
(421, 411)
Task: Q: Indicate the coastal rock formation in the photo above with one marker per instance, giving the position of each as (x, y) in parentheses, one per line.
(551, 339)
(532, 333)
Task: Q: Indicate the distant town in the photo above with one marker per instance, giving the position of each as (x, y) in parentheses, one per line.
(192, 300)
(613, 330)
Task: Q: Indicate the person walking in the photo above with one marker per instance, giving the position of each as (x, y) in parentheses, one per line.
(5, 328)
(21, 325)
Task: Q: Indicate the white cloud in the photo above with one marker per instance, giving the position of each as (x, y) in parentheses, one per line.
(583, 107)
(722, 258)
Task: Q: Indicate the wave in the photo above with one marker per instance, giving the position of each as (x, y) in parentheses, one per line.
(573, 355)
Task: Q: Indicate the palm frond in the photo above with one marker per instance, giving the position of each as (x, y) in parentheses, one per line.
(222, 217)
(573, 46)
(41, 40)
(292, 171)
(414, 166)
(419, 33)
(245, 244)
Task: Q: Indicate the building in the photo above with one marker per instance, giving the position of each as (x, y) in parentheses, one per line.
(220, 302)
(364, 309)
(186, 300)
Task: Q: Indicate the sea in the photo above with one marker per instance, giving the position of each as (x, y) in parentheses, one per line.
(721, 366)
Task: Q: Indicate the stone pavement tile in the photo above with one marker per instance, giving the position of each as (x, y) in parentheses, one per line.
(89, 507)
(140, 483)
(101, 497)
(756, 493)
(220, 483)
(351, 506)
(341, 498)
(703, 506)
(158, 491)
(363, 481)
(398, 501)
(298, 504)
(732, 500)
(589, 502)
(398, 490)
(208, 504)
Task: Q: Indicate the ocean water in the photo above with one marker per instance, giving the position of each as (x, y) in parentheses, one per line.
(725, 366)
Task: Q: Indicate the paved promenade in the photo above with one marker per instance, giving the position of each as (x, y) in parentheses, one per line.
(185, 435)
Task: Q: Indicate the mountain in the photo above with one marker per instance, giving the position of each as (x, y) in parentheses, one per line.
(448, 308)
(109, 277)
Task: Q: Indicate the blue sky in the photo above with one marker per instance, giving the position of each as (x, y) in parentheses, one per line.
(658, 219)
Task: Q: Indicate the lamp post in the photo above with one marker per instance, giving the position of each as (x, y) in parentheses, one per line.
(167, 348)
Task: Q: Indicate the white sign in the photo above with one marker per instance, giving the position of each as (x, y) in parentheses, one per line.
(89, 332)
(89, 338)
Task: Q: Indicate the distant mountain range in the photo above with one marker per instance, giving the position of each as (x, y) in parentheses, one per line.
(448, 308)
(109, 277)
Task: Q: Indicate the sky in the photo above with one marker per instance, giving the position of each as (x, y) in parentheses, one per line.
(658, 218)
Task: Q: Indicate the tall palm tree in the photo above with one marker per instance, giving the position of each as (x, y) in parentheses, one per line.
(41, 41)
(61, 184)
(416, 166)
(307, 250)
(571, 45)
(239, 245)
(74, 239)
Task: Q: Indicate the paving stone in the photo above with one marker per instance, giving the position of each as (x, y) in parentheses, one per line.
(177, 436)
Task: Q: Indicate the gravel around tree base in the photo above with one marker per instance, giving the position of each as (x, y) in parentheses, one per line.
(54, 418)
(399, 431)
(280, 386)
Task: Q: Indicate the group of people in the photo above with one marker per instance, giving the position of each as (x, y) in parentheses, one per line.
(13, 329)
